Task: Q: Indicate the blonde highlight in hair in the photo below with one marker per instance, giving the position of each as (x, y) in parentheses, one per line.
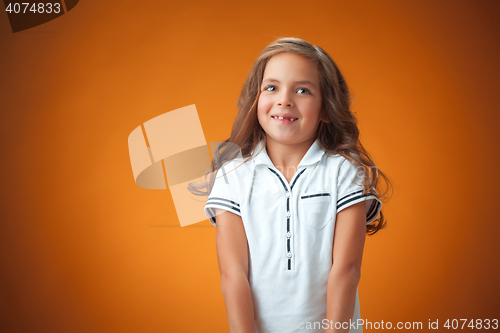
(338, 136)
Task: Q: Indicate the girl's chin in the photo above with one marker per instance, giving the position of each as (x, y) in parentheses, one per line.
(282, 139)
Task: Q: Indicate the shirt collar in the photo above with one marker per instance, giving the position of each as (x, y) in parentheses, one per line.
(313, 154)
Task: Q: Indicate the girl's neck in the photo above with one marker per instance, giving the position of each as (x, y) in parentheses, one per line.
(286, 157)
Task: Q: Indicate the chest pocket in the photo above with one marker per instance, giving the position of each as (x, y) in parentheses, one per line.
(315, 209)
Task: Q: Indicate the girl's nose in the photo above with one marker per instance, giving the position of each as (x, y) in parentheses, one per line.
(285, 99)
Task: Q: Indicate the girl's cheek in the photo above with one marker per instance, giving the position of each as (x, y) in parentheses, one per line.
(261, 104)
(264, 103)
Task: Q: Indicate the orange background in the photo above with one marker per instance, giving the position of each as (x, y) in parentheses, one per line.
(84, 249)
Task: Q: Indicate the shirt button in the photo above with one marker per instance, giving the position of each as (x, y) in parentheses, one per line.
(288, 214)
(288, 194)
(289, 234)
(289, 254)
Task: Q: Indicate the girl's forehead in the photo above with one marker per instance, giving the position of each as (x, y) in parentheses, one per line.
(286, 58)
(288, 64)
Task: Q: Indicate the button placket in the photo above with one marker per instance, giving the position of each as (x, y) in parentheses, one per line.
(288, 214)
(288, 195)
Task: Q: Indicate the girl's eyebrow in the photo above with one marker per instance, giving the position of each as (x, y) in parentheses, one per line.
(301, 82)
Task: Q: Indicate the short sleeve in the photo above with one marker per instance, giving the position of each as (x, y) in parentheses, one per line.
(350, 191)
(223, 194)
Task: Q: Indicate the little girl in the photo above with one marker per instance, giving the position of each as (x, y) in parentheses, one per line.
(294, 196)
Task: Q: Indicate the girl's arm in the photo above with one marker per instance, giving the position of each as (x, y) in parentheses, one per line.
(232, 254)
(349, 240)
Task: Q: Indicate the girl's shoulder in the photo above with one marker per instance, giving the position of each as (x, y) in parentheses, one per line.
(236, 167)
(339, 165)
(335, 160)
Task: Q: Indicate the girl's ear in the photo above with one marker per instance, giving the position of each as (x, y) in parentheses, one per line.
(325, 119)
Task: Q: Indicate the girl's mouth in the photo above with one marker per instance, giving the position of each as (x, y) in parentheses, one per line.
(284, 120)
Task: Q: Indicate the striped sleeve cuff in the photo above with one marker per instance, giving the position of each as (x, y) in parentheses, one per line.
(373, 204)
(221, 203)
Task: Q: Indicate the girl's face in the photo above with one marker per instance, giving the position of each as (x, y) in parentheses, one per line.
(290, 89)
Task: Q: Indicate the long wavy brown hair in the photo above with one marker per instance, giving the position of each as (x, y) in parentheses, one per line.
(339, 136)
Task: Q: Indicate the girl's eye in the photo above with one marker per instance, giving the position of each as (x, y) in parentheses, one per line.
(306, 91)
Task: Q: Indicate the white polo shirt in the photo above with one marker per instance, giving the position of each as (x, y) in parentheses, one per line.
(290, 229)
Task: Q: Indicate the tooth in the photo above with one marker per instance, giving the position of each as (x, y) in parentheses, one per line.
(281, 118)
